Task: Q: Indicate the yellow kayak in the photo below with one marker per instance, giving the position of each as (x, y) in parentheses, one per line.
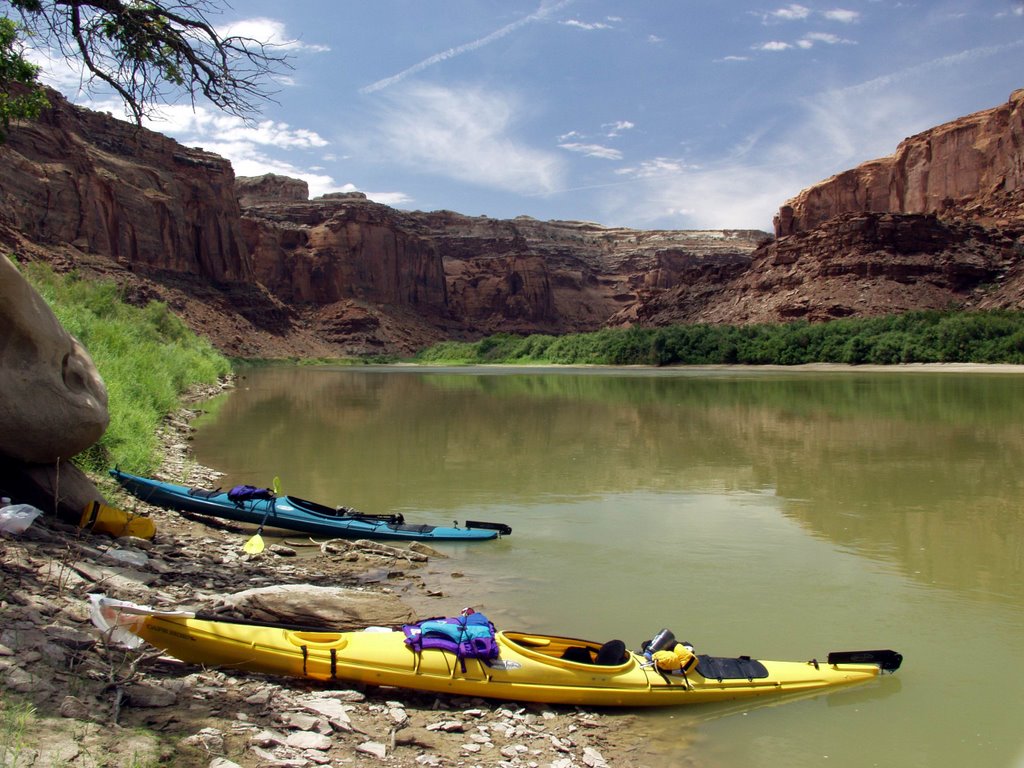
(529, 667)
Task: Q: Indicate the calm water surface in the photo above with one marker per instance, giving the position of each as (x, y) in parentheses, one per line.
(776, 514)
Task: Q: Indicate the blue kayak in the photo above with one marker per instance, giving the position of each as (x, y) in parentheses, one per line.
(293, 514)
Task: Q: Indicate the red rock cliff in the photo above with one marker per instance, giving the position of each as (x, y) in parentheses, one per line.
(461, 275)
(974, 163)
(112, 190)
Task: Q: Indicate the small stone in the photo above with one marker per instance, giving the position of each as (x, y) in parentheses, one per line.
(308, 740)
(223, 762)
(261, 698)
(70, 637)
(300, 721)
(374, 748)
(448, 726)
(267, 738)
(151, 696)
(74, 708)
(334, 710)
(210, 739)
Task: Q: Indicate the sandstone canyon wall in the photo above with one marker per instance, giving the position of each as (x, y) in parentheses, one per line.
(369, 268)
(970, 167)
(125, 194)
(264, 271)
(939, 224)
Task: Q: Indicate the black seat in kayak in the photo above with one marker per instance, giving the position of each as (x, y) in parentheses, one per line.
(611, 654)
(577, 653)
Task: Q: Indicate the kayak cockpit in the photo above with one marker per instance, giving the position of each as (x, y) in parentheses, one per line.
(568, 650)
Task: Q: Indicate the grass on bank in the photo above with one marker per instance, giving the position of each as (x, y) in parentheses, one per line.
(147, 357)
(16, 717)
(914, 337)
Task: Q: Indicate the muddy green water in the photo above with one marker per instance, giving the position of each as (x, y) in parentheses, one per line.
(776, 514)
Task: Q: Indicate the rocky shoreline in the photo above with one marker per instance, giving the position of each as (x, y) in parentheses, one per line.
(94, 703)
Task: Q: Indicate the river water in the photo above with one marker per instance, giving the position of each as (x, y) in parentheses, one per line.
(781, 514)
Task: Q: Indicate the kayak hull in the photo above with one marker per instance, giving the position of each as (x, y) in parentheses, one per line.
(293, 514)
(528, 668)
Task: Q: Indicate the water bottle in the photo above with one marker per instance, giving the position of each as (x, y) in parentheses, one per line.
(663, 641)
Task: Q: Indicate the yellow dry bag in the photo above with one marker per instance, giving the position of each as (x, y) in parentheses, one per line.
(101, 518)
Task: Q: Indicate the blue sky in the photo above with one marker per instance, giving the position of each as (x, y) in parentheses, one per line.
(693, 114)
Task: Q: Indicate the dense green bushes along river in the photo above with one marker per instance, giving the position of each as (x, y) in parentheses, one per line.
(147, 357)
(915, 337)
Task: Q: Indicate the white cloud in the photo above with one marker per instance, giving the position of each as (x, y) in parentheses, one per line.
(693, 198)
(464, 134)
(792, 12)
(202, 124)
(269, 31)
(734, 58)
(837, 129)
(593, 150)
(393, 199)
(618, 127)
(589, 26)
(812, 38)
(66, 75)
(843, 16)
(69, 76)
(658, 167)
(774, 45)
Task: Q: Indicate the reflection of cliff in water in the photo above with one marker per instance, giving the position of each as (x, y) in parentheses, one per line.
(923, 470)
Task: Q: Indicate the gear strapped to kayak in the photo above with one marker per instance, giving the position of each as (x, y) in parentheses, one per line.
(469, 636)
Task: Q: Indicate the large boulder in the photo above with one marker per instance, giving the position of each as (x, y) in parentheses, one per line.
(53, 403)
(335, 607)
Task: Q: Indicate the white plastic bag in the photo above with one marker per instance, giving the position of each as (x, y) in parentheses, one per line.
(16, 518)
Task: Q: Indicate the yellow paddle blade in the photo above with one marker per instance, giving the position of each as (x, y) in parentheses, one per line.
(254, 545)
(277, 485)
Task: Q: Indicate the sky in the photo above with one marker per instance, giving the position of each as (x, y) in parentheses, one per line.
(651, 114)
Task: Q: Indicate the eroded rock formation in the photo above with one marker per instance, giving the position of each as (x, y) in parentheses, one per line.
(855, 264)
(368, 267)
(972, 166)
(265, 272)
(128, 195)
(53, 403)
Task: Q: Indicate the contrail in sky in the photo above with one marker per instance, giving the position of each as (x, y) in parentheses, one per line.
(540, 14)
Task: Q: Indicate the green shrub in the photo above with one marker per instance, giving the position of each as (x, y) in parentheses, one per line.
(915, 337)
